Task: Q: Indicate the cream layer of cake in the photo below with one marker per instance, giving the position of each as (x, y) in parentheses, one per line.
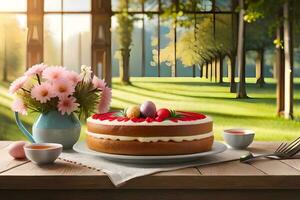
(151, 139)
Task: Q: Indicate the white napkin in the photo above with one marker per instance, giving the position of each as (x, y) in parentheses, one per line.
(119, 173)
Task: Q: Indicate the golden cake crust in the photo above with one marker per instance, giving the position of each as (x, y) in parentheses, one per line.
(149, 148)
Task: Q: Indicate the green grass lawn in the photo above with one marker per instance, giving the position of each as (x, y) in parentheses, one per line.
(191, 94)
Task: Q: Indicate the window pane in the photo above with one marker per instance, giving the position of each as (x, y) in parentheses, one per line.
(77, 5)
(166, 47)
(13, 5)
(135, 5)
(52, 5)
(151, 44)
(135, 63)
(184, 62)
(52, 39)
(166, 3)
(151, 5)
(76, 47)
(204, 5)
(223, 5)
(188, 5)
(115, 5)
(76, 40)
(13, 34)
(114, 47)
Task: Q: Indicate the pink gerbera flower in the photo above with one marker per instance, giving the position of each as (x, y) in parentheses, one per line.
(104, 103)
(63, 88)
(98, 83)
(17, 84)
(74, 77)
(54, 74)
(36, 69)
(43, 92)
(19, 106)
(67, 105)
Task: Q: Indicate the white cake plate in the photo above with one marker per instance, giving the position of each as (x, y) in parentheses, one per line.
(217, 147)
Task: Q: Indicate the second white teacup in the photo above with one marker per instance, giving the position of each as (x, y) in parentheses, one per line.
(238, 138)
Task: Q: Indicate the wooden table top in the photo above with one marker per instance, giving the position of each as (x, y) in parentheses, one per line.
(263, 174)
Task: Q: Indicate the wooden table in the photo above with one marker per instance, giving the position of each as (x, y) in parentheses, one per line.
(263, 179)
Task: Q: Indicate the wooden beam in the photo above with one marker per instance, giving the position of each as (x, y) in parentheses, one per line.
(35, 35)
(101, 39)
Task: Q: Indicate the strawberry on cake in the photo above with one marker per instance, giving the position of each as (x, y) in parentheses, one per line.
(143, 130)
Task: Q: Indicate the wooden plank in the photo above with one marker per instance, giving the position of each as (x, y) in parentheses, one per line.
(229, 168)
(60, 167)
(52, 182)
(263, 147)
(274, 167)
(7, 162)
(4, 144)
(47, 176)
(191, 171)
(295, 163)
(149, 194)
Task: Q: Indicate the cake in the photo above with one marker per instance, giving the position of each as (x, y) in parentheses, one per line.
(164, 132)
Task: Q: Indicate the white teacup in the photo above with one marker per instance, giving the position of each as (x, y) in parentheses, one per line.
(238, 138)
(43, 153)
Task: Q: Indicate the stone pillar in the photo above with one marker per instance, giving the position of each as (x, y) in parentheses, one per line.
(101, 39)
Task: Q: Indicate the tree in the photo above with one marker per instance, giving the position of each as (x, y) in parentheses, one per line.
(258, 39)
(124, 34)
(288, 60)
(11, 46)
(241, 92)
(284, 68)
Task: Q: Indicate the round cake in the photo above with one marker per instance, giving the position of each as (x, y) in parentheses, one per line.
(180, 133)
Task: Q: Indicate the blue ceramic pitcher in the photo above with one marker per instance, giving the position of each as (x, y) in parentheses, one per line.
(53, 127)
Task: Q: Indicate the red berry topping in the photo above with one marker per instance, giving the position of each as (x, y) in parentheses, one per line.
(149, 119)
(159, 119)
(163, 113)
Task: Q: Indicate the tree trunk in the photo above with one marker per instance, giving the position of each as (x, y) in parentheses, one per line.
(210, 71)
(220, 69)
(259, 65)
(241, 93)
(232, 73)
(215, 69)
(288, 61)
(194, 71)
(201, 67)
(124, 66)
(206, 70)
(280, 72)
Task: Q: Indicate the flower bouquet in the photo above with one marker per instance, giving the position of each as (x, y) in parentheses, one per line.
(58, 93)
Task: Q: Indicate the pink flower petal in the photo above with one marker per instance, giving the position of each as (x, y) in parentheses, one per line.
(43, 92)
(67, 105)
(105, 101)
(17, 84)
